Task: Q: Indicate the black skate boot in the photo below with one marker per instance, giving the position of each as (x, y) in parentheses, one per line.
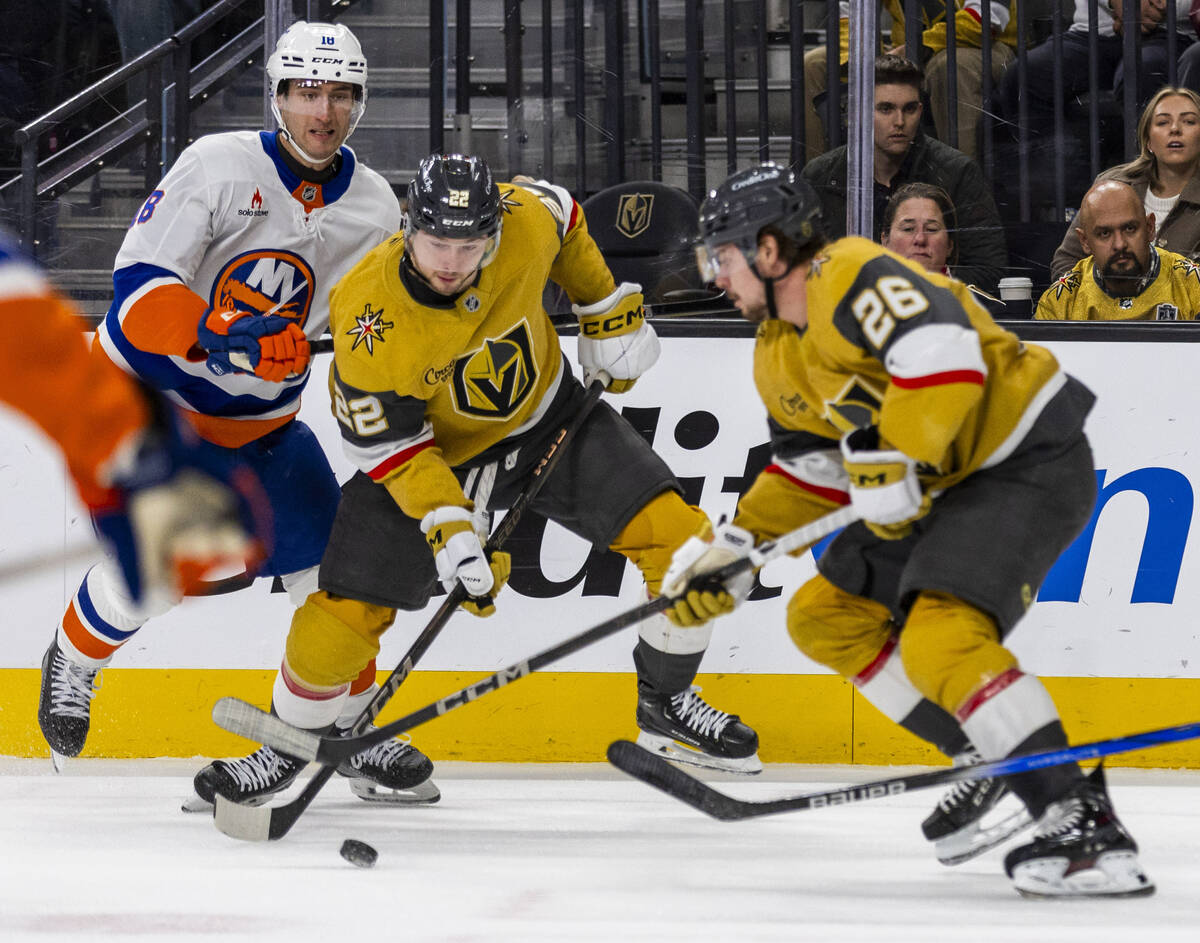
(973, 816)
(250, 780)
(65, 704)
(1080, 849)
(686, 729)
(392, 771)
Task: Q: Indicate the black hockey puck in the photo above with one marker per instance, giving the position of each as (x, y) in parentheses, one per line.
(359, 853)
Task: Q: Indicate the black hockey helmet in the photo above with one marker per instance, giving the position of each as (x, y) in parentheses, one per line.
(455, 197)
(749, 200)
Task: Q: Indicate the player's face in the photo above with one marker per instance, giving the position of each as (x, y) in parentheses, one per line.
(734, 277)
(1118, 237)
(1174, 136)
(897, 115)
(919, 233)
(449, 265)
(318, 117)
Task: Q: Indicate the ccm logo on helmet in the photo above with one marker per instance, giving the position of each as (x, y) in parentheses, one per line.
(614, 324)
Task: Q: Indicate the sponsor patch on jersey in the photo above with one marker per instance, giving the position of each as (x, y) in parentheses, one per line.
(369, 327)
(256, 206)
(492, 381)
(471, 302)
(266, 281)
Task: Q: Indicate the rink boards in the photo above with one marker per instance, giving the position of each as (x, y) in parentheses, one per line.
(1113, 631)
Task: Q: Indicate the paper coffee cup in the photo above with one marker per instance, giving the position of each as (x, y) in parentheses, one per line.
(1016, 289)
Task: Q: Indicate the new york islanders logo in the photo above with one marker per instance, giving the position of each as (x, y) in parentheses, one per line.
(492, 381)
(266, 281)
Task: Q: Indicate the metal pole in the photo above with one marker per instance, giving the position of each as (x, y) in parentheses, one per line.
(437, 76)
(860, 144)
(514, 80)
(277, 17)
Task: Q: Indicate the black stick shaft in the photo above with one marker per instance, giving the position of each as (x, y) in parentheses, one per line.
(453, 600)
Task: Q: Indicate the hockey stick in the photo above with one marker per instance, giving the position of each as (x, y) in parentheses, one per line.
(278, 820)
(657, 772)
(263, 823)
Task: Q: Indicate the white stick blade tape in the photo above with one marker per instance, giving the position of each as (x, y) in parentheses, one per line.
(247, 823)
(246, 720)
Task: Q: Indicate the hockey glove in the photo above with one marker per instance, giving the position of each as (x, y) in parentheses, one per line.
(269, 346)
(175, 508)
(694, 558)
(884, 487)
(615, 340)
(460, 558)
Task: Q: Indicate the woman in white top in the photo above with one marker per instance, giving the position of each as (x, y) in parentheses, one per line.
(1163, 174)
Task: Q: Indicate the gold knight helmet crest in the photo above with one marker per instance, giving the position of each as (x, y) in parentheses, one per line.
(633, 214)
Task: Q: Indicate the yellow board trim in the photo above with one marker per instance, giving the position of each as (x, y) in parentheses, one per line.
(573, 716)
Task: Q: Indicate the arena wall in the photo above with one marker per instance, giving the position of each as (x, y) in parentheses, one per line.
(1114, 630)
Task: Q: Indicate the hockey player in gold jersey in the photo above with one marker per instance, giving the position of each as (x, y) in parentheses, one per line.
(448, 383)
(962, 448)
(1125, 277)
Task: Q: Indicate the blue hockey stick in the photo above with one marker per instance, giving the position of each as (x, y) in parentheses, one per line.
(657, 772)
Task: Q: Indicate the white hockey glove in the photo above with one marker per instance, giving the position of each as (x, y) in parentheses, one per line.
(884, 487)
(697, 556)
(460, 558)
(614, 338)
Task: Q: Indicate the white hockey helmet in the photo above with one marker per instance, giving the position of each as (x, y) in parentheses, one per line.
(319, 52)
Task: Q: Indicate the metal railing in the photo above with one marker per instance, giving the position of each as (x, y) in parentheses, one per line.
(159, 124)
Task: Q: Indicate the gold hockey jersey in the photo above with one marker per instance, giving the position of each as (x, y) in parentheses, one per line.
(889, 344)
(419, 389)
(1171, 293)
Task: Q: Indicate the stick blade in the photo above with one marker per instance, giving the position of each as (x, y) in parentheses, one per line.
(246, 720)
(657, 772)
(243, 822)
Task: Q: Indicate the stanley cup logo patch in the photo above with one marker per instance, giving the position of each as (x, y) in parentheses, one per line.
(633, 214)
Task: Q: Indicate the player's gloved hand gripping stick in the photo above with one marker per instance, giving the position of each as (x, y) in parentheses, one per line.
(273, 822)
(264, 823)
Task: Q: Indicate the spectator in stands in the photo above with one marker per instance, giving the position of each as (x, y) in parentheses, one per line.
(918, 223)
(1125, 277)
(903, 154)
(1042, 63)
(968, 33)
(1163, 175)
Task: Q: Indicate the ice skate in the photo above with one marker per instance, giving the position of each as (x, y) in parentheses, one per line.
(686, 729)
(392, 771)
(249, 780)
(1080, 849)
(65, 704)
(973, 816)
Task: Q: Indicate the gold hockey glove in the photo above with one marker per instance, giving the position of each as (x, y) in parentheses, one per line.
(460, 558)
(884, 487)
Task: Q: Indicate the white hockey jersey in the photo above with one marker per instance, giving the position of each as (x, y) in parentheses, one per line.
(232, 225)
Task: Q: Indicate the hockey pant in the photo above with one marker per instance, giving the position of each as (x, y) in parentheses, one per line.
(332, 637)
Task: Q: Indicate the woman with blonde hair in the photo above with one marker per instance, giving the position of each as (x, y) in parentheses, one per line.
(1164, 175)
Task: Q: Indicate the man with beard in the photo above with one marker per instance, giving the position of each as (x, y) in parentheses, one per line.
(1125, 277)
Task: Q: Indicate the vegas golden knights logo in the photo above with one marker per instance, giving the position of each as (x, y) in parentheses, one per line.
(493, 380)
(633, 214)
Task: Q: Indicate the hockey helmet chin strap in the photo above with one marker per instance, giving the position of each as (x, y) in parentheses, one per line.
(769, 287)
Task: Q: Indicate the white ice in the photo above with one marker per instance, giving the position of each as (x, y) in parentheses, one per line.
(546, 853)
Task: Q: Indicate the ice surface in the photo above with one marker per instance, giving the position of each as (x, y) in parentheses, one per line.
(545, 853)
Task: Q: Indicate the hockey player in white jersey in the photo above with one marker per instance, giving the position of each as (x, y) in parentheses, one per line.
(222, 279)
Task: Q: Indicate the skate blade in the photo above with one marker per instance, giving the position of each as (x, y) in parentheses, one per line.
(425, 793)
(1112, 874)
(59, 760)
(975, 839)
(195, 804)
(680, 752)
